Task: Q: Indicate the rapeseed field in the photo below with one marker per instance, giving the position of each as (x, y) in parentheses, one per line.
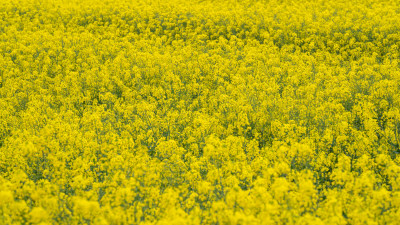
(199, 112)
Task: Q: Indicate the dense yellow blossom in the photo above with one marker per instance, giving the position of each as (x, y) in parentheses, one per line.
(199, 112)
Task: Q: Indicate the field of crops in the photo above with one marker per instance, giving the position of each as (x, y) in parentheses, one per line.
(199, 112)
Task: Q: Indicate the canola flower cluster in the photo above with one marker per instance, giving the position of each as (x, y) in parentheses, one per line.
(199, 112)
